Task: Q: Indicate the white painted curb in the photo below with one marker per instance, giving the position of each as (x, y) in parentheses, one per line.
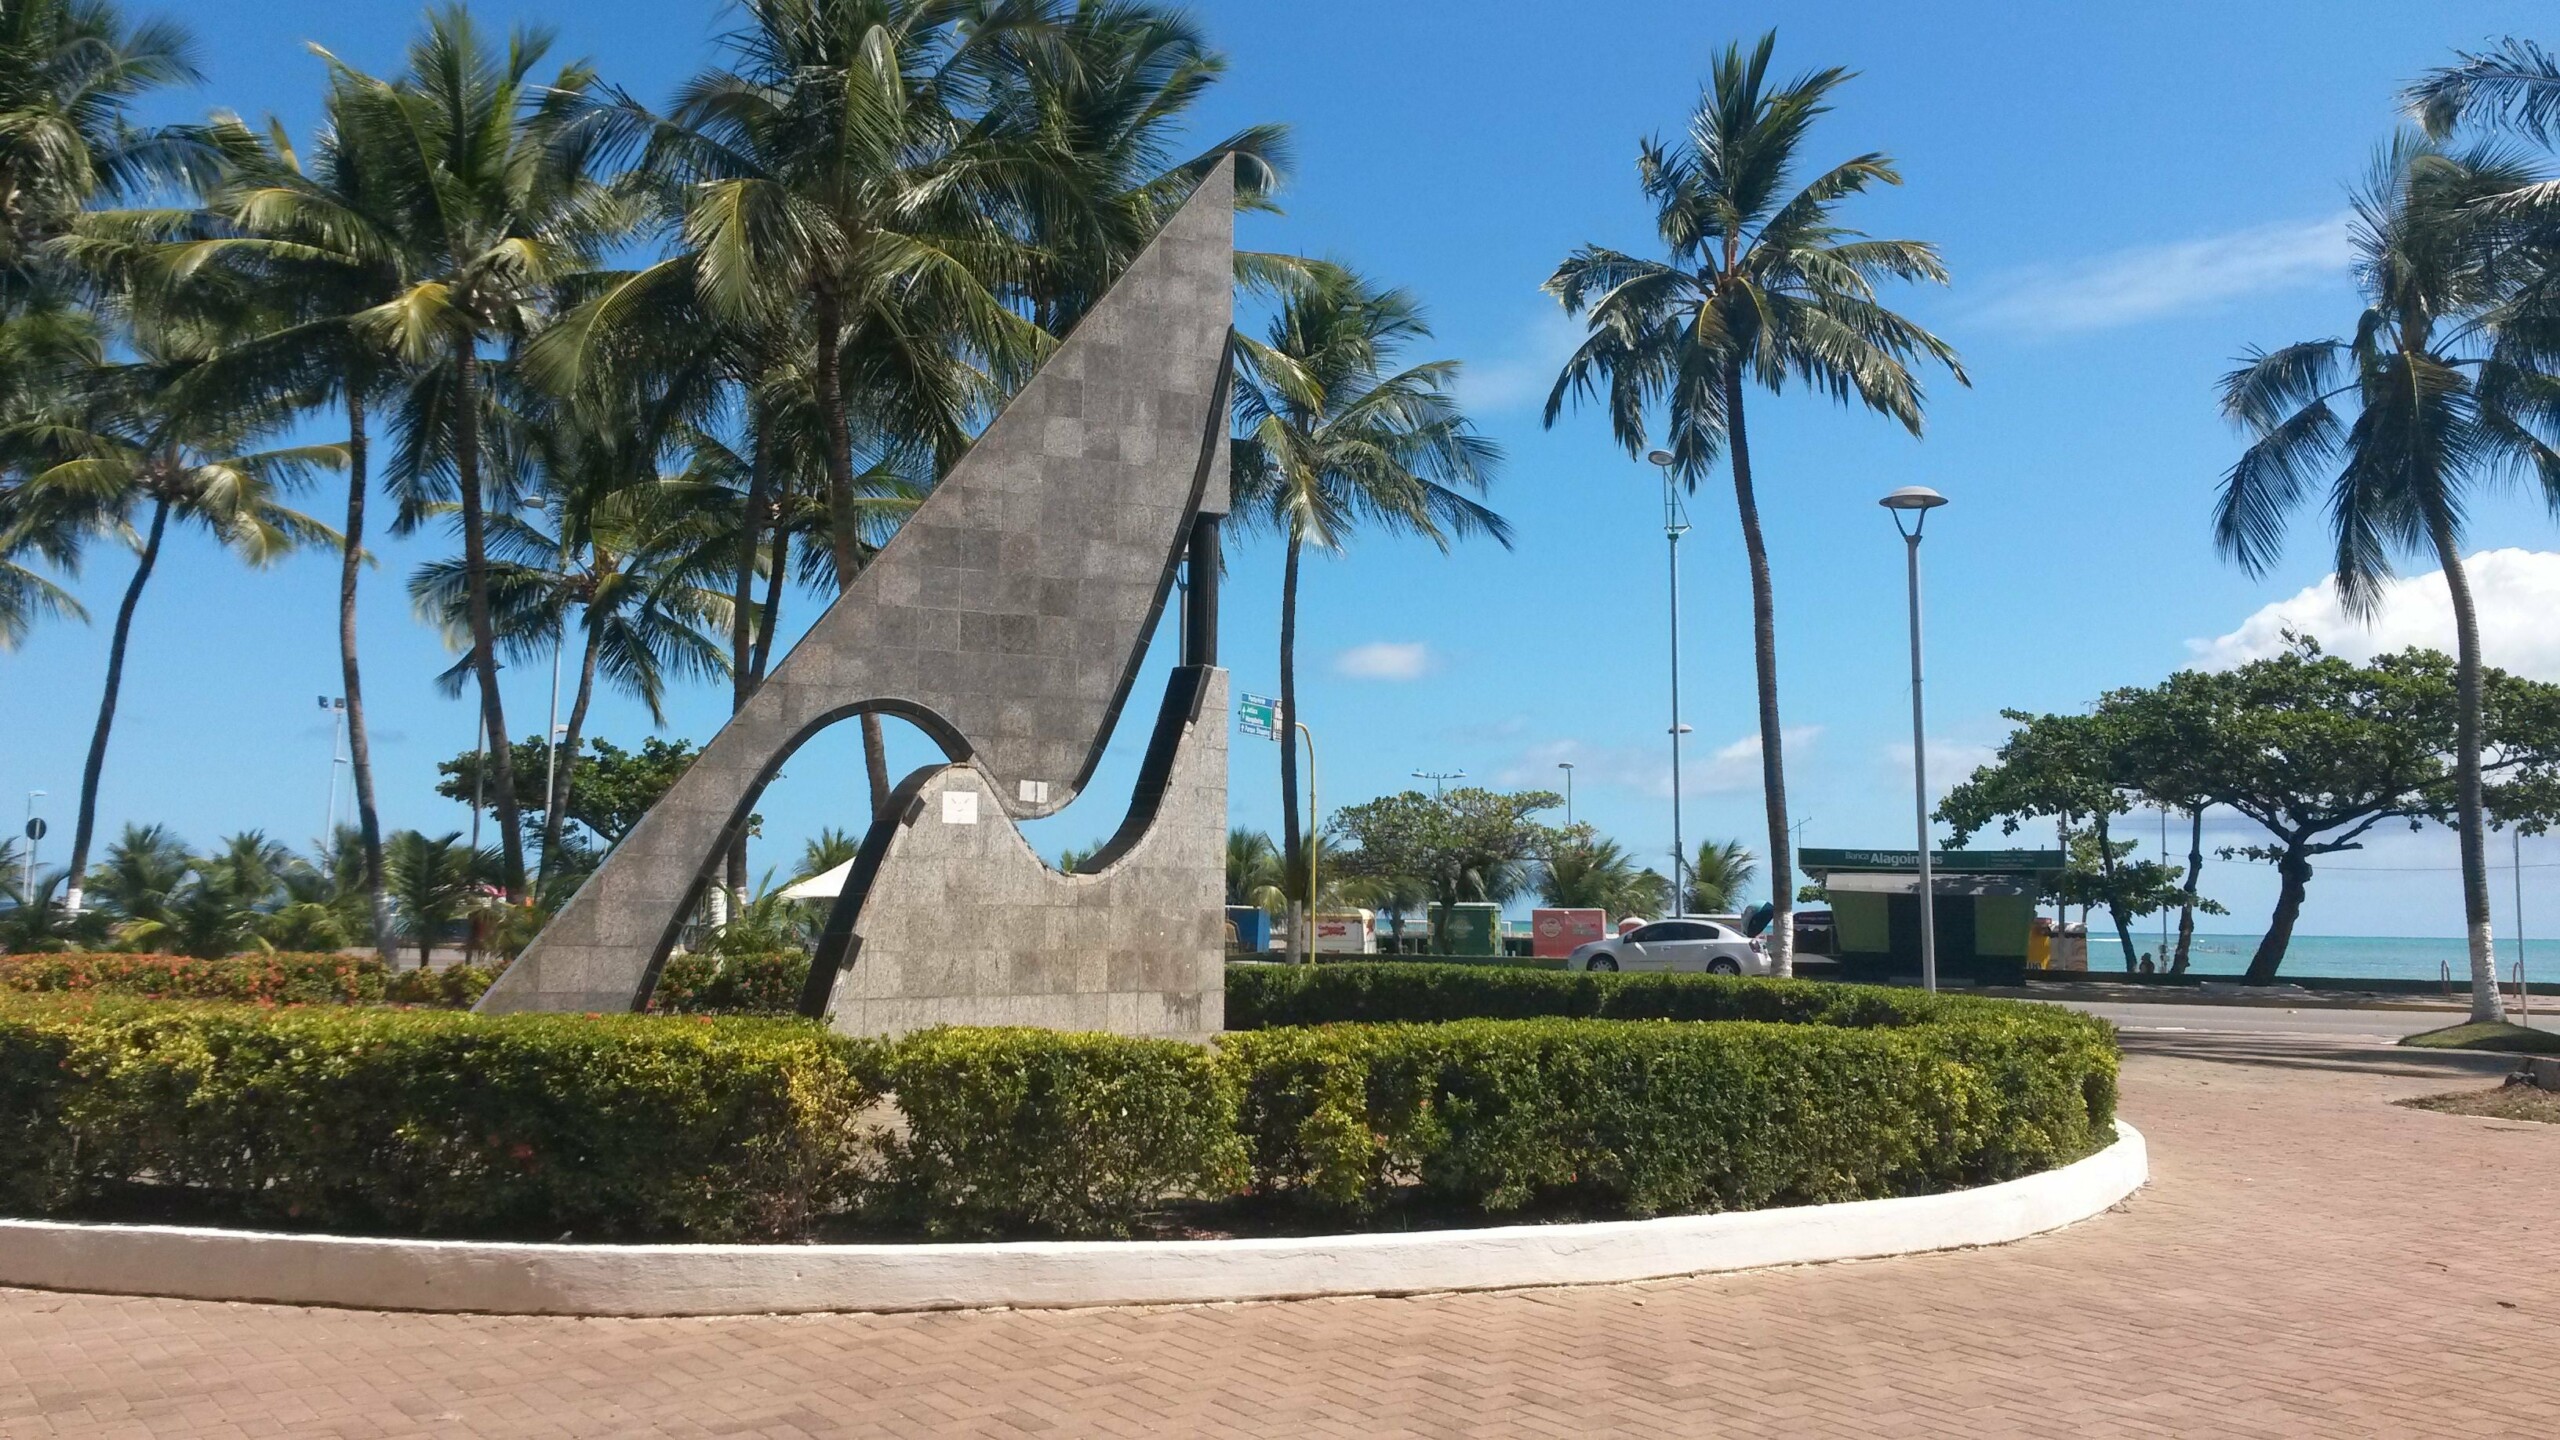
(531, 1279)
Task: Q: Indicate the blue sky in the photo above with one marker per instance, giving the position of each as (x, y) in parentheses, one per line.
(2127, 195)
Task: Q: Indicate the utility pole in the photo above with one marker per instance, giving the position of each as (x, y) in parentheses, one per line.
(1436, 777)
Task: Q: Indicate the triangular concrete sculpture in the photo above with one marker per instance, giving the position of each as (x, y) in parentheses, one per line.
(1007, 618)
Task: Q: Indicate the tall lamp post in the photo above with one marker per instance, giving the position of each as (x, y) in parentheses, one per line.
(1675, 523)
(1439, 778)
(35, 837)
(1567, 767)
(1917, 501)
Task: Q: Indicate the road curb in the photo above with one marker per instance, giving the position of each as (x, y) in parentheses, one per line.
(192, 1263)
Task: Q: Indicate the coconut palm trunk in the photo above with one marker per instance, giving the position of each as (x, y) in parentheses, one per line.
(742, 675)
(86, 829)
(778, 566)
(484, 640)
(1764, 660)
(1293, 850)
(556, 804)
(2486, 1006)
(844, 529)
(359, 744)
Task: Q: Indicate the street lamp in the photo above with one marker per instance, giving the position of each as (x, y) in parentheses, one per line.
(1567, 767)
(1675, 523)
(1917, 501)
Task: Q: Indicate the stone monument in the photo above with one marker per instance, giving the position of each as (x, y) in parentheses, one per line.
(1007, 619)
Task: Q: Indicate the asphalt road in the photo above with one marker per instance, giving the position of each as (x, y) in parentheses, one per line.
(2306, 1022)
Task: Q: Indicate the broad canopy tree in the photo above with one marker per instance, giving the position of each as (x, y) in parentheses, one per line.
(2315, 749)
(1470, 844)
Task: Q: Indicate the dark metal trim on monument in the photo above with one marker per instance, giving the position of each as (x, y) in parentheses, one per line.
(1007, 618)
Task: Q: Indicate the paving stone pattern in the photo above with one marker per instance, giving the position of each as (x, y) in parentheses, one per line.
(2309, 1260)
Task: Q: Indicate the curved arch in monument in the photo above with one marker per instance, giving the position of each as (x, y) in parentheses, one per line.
(1007, 617)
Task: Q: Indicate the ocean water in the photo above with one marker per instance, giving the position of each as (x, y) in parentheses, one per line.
(2363, 957)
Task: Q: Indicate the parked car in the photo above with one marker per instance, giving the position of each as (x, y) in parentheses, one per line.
(1690, 943)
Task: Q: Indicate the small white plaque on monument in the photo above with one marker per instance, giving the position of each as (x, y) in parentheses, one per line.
(1035, 792)
(959, 807)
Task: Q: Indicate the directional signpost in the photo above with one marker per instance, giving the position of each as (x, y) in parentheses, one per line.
(1259, 715)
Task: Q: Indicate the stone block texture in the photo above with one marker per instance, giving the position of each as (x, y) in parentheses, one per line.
(964, 924)
(1006, 618)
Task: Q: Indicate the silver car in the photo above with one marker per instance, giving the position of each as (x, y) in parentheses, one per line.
(1685, 944)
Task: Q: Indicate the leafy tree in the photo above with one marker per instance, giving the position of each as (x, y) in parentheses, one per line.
(614, 788)
(2314, 749)
(2432, 411)
(1718, 876)
(1760, 285)
(2128, 888)
(1470, 844)
(2068, 768)
(1331, 437)
(1588, 872)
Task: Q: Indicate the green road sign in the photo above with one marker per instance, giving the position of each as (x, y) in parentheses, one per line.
(1258, 715)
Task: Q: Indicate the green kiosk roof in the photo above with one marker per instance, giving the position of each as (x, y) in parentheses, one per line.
(1820, 863)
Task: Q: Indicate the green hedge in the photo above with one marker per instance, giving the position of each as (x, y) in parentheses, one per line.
(431, 1122)
(427, 1122)
(1260, 996)
(278, 978)
(701, 984)
(1648, 1117)
(1037, 1131)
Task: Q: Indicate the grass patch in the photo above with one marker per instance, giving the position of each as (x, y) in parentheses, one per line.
(2502, 1037)
(2507, 1102)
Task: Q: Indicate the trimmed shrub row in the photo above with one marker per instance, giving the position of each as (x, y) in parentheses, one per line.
(278, 978)
(690, 984)
(421, 1122)
(425, 1122)
(711, 984)
(1260, 996)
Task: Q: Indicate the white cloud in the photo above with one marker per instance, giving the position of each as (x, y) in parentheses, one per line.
(1384, 660)
(1526, 369)
(1646, 769)
(2127, 287)
(1951, 762)
(2517, 593)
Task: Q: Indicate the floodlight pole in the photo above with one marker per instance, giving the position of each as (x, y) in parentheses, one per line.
(1675, 523)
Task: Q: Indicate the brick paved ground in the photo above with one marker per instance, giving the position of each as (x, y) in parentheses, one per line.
(2309, 1260)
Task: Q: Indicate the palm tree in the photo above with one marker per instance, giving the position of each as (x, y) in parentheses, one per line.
(1254, 874)
(138, 882)
(829, 186)
(433, 883)
(2429, 393)
(494, 206)
(70, 72)
(639, 562)
(136, 443)
(302, 253)
(1719, 874)
(1593, 873)
(1761, 285)
(1329, 438)
(2515, 83)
